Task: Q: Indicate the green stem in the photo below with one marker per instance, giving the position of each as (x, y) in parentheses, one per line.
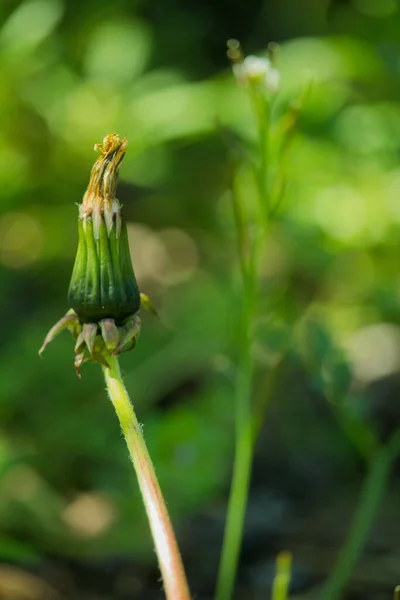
(241, 467)
(244, 442)
(175, 584)
(371, 495)
(280, 588)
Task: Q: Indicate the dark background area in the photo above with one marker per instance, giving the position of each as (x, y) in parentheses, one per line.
(71, 518)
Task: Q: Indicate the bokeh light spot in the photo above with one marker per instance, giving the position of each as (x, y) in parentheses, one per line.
(341, 211)
(182, 253)
(118, 51)
(373, 8)
(375, 351)
(362, 129)
(148, 253)
(29, 24)
(167, 257)
(89, 515)
(21, 240)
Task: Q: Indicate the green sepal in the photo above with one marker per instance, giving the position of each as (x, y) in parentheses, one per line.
(69, 321)
(129, 334)
(77, 281)
(148, 305)
(127, 272)
(89, 334)
(109, 333)
(91, 295)
(108, 289)
(103, 283)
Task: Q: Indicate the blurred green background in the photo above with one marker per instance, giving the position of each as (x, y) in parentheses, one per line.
(157, 73)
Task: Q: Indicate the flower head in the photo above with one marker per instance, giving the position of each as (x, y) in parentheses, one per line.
(103, 294)
(254, 70)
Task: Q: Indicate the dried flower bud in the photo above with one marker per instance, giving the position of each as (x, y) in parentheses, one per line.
(103, 294)
(103, 283)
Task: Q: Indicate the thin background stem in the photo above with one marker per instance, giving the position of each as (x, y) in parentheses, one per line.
(372, 493)
(175, 584)
(244, 421)
(242, 460)
(280, 587)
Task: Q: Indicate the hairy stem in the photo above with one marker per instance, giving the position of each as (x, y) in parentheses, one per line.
(173, 574)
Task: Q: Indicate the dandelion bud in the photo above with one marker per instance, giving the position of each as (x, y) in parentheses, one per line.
(103, 295)
(103, 284)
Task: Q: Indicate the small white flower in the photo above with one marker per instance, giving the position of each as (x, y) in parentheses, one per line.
(257, 70)
(239, 73)
(272, 80)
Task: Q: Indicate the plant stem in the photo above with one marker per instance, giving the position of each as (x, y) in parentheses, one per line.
(244, 438)
(242, 463)
(371, 495)
(244, 435)
(281, 583)
(173, 574)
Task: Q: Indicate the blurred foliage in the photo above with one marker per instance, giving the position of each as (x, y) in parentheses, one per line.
(69, 74)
